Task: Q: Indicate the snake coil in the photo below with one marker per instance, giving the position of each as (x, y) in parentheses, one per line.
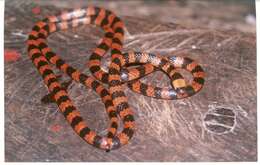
(114, 97)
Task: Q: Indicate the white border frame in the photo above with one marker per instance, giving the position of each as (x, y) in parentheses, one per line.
(2, 93)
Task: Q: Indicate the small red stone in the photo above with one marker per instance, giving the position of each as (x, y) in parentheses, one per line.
(11, 55)
(36, 10)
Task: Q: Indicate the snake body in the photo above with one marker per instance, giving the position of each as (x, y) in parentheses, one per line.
(114, 98)
(130, 76)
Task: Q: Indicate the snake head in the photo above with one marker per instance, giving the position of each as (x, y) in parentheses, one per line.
(109, 145)
(105, 144)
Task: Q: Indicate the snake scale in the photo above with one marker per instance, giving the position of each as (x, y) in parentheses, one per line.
(118, 74)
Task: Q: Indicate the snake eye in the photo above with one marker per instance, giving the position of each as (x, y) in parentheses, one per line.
(115, 144)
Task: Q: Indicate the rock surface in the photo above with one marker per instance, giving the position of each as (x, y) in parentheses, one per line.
(174, 130)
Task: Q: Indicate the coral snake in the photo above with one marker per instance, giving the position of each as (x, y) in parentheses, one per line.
(114, 97)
